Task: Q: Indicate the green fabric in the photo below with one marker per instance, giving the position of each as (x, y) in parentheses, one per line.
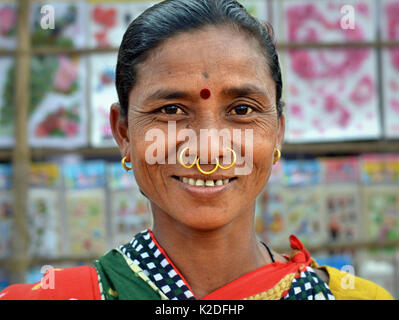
(119, 282)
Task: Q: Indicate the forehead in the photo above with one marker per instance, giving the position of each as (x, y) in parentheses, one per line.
(214, 55)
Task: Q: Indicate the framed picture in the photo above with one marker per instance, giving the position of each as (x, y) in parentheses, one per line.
(102, 95)
(8, 25)
(390, 67)
(58, 107)
(59, 24)
(7, 101)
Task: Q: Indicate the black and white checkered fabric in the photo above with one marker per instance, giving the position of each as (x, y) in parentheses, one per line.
(143, 251)
(308, 286)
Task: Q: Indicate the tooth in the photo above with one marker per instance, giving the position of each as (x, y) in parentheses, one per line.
(185, 180)
(209, 183)
(225, 181)
(219, 182)
(199, 182)
(191, 181)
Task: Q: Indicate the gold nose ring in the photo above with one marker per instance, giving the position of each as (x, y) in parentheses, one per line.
(233, 163)
(208, 172)
(181, 159)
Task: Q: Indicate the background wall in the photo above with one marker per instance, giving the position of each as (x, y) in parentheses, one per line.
(65, 200)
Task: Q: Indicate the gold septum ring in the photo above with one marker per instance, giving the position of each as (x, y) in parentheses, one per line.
(218, 165)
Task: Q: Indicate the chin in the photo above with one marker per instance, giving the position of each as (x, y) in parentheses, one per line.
(206, 218)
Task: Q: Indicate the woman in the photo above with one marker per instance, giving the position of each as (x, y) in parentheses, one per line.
(197, 65)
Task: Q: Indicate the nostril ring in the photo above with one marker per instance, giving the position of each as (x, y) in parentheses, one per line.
(233, 163)
(181, 159)
(207, 172)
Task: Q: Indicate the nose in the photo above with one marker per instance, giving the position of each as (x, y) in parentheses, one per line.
(210, 148)
(212, 141)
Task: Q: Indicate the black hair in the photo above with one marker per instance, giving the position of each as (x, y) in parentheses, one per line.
(171, 17)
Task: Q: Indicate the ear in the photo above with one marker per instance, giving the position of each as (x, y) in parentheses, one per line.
(119, 126)
(280, 132)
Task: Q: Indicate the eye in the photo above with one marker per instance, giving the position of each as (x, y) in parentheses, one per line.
(241, 110)
(171, 109)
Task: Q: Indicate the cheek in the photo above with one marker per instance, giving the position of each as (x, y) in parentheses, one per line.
(146, 140)
(266, 126)
(264, 141)
(263, 155)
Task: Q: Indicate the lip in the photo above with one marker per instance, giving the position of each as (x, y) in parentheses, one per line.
(205, 192)
(205, 177)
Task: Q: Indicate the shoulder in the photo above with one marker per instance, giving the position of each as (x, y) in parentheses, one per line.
(80, 283)
(346, 286)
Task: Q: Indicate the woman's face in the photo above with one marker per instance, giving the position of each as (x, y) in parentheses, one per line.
(218, 59)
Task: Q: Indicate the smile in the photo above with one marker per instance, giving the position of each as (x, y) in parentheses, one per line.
(205, 188)
(204, 183)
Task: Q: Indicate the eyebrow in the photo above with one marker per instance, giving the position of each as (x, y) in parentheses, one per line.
(245, 90)
(169, 94)
(166, 94)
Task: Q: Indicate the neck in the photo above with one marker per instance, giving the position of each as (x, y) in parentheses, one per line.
(209, 260)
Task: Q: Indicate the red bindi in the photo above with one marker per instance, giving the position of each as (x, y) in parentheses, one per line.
(205, 93)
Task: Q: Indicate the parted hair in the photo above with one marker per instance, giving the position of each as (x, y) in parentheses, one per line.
(171, 17)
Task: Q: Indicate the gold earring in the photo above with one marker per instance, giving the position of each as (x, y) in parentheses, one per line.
(124, 165)
(276, 159)
(181, 159)
(207, 172)
(233, 163)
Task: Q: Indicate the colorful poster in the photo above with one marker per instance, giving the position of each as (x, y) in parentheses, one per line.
(305, 215)
(301, 172)
(58, 24)
(270, 218)
(118, 178)
(326, 21)
(390, 71)
(44, 223)
(7, 101)
(130, 212)
(331, 93)
(43, 174)
(340, 170)
(344, 215)
(84, 175)
(8, 25)
(109, 21)
(58, 102)
(390, 67)
(44, 219)
(85, 202)
(102, 95)
(86, 215)
(380, 169)
(381, 208)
